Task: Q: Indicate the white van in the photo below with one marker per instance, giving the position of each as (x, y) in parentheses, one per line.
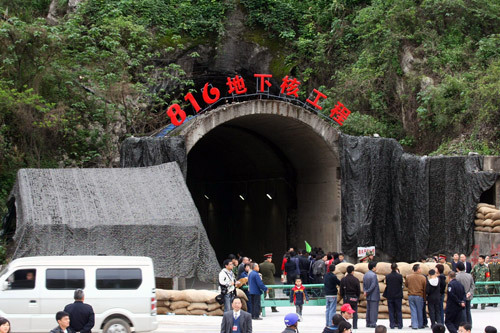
(120, 289)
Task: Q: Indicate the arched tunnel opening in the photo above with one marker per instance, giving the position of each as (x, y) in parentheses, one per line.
(263, 183)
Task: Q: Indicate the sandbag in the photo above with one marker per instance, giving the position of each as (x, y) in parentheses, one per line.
(383, 309)
(358, 275)
(199, 296)
(341, 268)
(217, 312)
(214, 306)
(381, 286)
(197, 306)
(479, 222)
(480, 216)
(162, 303)
(361, 309)
(405, 309)
(482, 204)
(340, 276)
(380, 278)
(487, 223)
(177, 295)
(425, 269)
(383, 315)
(181, 311)
(179, 305)
(163, 295)
(162, 310)
(495, 223)
(486, 210)
(495, 216)
(487, 229)
(198, 312)
(446, 270)
(431, 265)
(404, 269)
(241, 294)
(363, 303)
(478, 228)
(361, 267)
(383, 268)
(496, 229)
(244, 305)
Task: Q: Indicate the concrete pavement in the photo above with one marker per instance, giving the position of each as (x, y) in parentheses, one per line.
(313, 321)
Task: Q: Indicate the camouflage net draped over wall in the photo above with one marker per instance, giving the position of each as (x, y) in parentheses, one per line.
(125, 211)
(407, 205)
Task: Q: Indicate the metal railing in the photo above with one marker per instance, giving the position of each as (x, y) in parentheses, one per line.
(486, 292)
(314, 291)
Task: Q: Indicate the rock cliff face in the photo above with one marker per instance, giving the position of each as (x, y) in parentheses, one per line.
(55, 11)
(236, 54)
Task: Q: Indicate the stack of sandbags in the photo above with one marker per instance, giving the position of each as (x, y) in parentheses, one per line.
(487, 218)
(384, 268)
(192, 302)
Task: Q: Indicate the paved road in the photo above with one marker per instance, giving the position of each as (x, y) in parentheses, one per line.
(313, 321)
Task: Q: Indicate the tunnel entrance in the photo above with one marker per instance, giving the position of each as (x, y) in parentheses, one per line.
(263, 183)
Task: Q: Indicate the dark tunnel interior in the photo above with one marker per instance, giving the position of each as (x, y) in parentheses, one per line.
(263, 183)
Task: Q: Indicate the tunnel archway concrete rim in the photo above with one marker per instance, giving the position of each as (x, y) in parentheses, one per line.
(196, 129)
(308, 142)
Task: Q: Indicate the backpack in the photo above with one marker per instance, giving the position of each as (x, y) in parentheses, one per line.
(316, 269)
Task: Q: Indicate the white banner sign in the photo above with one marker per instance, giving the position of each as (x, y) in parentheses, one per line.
(362, 250)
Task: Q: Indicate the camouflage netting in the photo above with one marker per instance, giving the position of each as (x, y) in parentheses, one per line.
(407, 205)
(148, 151)
(125, 211)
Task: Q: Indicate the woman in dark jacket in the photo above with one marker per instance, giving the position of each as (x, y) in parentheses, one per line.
(433, 293)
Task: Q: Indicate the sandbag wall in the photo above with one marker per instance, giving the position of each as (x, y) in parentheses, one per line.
(202, 302)
(487, 218)
(192, 302)
(383, 268)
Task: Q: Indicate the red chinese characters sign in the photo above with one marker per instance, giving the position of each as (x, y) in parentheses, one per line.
(236, 86)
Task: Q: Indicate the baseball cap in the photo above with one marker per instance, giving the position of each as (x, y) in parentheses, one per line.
(291, 319)
(347, 308)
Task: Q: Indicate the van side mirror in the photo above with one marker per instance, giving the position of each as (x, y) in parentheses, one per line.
(5, 285)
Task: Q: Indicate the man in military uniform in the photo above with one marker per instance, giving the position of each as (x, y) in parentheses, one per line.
(267, 269)
(481, 272)
(368, 257)
(494, 267)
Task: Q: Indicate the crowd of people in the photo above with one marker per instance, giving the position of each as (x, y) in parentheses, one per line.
(425, 293)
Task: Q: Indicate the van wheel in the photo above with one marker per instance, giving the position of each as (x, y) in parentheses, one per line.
(116, 325)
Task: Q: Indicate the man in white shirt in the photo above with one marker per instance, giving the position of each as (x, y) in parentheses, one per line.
(227, 283)
(236, 320)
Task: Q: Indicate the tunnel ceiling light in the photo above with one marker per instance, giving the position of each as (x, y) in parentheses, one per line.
(269, 196)
(242, 197)
(206, 196)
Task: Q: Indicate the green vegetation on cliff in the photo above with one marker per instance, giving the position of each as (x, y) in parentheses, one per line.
(426, 73)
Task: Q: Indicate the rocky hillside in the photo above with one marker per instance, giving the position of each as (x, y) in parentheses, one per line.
(79, 76)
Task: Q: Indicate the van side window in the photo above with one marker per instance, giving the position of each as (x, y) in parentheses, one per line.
(118, 278)
(22, 279)
(65, 278)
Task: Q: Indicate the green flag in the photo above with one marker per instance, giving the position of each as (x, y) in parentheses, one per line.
(308, 247)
